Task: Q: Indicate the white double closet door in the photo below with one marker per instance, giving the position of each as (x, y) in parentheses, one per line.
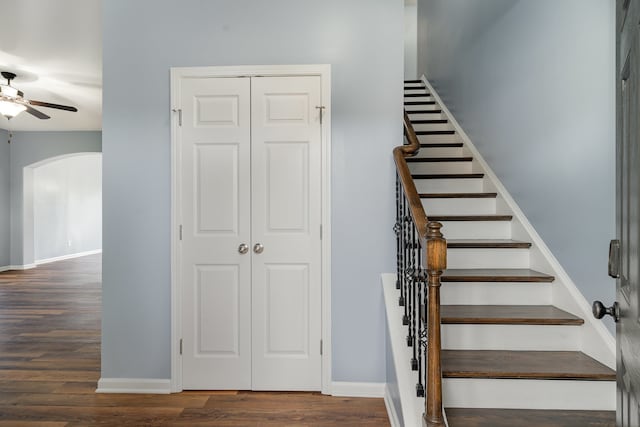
(250, 162)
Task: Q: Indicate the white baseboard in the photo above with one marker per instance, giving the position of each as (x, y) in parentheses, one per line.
(348, 389)
(17, 267)
(64, 257)
(391, 409)
(134, 385)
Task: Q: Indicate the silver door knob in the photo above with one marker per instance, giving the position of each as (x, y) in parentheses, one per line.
(243, 248)
(258, 248)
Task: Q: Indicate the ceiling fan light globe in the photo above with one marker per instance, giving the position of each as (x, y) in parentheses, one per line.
(11, 109)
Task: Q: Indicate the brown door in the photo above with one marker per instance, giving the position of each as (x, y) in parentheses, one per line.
(623, 261)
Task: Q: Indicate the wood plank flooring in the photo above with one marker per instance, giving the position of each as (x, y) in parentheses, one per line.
(50, 364)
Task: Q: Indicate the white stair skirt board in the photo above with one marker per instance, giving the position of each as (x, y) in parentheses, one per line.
(69, 256)
(470, 293)
(134, 385)
(529, 394)
(412, 406)
(597, 341)
(355, 389)
(511, 337)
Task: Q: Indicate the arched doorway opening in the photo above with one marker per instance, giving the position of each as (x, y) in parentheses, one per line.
(62, 216)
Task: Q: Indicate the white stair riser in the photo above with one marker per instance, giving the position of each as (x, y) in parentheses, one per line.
(487, 258)
(440, 167)
(416, 90)
(453, 185)
(425, 98)
(440, 152)
(421, 107)
(425, 116)
(476, 229)
(487, 293)
(432, 126)
(529, 394)
(418, 85)
(511, 337)
(459, 206)
(426, 139)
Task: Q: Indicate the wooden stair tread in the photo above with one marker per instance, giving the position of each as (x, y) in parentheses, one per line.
(430, 122)
(419, 102)
(507, 315)
(424, 112)
(435, 132)
(487, 244)
(481, 417)
(438, 159)
(416, 95)
(508, 275)
(458, 195)
(442, 145)
(471, 218)
(447, 175)
(523, 365)
(413, 81)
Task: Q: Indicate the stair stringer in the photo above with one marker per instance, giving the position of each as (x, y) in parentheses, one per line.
(596, 340)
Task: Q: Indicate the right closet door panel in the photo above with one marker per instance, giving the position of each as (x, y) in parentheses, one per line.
(286, 221)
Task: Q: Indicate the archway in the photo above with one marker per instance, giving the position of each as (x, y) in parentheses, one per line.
(62, 211)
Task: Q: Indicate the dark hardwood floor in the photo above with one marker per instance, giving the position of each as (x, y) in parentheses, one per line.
(50, 364)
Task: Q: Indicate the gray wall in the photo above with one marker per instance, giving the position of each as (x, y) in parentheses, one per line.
(363, 41)
(5, 224)
(410, 39)
(533, 84)
(67, 206)
(28, 148)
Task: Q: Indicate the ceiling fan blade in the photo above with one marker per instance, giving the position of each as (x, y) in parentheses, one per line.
(36, 113)
(49, 105)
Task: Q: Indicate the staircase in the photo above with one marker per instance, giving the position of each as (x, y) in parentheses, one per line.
(518, 345)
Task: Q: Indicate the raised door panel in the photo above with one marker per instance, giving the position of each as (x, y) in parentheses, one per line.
(215, 171)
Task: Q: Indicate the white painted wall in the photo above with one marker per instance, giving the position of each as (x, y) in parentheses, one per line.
(67, 207)
(410, 39)
(4, 200)
(363, 42)
(29, 148)
(533, 84)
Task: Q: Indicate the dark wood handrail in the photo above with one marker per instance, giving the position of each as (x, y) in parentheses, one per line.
(400, 153)
(435, 251)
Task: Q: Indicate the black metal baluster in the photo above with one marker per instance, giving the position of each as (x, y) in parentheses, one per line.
(397, 228)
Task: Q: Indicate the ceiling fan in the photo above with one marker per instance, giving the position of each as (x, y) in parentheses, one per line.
(13, 102)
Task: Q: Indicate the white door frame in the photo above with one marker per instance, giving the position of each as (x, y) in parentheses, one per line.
(177, 73)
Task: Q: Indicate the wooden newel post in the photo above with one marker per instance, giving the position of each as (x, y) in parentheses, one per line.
(436, 263)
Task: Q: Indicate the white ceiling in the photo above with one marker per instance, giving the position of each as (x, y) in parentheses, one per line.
(55, 48)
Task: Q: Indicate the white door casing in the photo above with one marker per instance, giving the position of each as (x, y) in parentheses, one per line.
(289, 157)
